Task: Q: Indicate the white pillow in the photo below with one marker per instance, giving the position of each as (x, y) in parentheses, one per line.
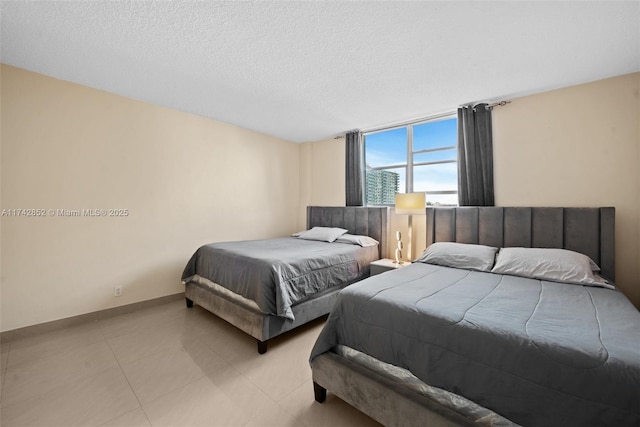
(460, 255)
(354, 239)
(556, 265)
(323, 234)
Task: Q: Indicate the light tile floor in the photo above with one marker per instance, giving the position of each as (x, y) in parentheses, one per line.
(163, 366)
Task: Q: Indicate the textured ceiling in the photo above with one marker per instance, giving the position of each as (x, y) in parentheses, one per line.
(305, 71)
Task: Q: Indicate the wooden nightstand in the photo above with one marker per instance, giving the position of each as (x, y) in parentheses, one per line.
(385, 264)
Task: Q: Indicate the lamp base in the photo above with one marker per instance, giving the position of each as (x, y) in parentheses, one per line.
(398, 253)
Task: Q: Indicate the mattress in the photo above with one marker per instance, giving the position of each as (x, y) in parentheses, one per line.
(278, 273)
(535, 352)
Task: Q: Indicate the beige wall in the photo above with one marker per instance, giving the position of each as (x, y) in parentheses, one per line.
(322, 175)
(577, 146)
(65, 146)
(185, 180)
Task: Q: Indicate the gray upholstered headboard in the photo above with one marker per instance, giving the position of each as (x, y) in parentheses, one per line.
(590, 231)
(368, 221)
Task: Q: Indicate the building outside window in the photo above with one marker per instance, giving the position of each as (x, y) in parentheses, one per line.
(418, 157)
(381, 186)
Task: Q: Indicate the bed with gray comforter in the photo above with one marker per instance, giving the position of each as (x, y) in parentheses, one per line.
(268, 287)
(534, 336)
(536, 352)
(277, 273)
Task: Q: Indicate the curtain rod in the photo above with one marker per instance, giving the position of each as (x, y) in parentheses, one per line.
(499, 104)
(489, 106)
(344, 135)
(422, 119)
(408, 122)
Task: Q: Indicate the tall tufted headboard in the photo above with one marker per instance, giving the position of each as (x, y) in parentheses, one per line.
(590, 231)
(368, 221)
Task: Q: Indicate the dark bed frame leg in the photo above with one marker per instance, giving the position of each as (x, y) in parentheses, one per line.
(319, 392)
(189, 303)
(262, 347)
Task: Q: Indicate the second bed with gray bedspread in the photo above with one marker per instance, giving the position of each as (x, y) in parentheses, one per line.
(536, 352)
(277, 273)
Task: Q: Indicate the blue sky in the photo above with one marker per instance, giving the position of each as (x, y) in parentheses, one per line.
(389, 147)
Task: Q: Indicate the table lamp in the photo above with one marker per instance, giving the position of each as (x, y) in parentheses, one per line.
(410, 204)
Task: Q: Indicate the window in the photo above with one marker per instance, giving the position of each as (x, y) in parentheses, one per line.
(419, 157)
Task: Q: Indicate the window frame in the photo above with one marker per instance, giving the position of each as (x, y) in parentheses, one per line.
(409, 165)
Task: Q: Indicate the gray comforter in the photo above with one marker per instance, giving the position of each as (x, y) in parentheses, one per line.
(277, 273)
(539, 353)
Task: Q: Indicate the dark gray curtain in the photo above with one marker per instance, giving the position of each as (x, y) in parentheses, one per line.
(354, 169)
(475, 156)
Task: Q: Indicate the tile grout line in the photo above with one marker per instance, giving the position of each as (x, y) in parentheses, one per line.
(204, 374)
(4, 373)
(64, 385)
(56, 354)
(192, 328)
(286, 396)
(125, 377)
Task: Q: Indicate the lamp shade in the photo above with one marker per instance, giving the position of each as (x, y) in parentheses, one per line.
(410, 203)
